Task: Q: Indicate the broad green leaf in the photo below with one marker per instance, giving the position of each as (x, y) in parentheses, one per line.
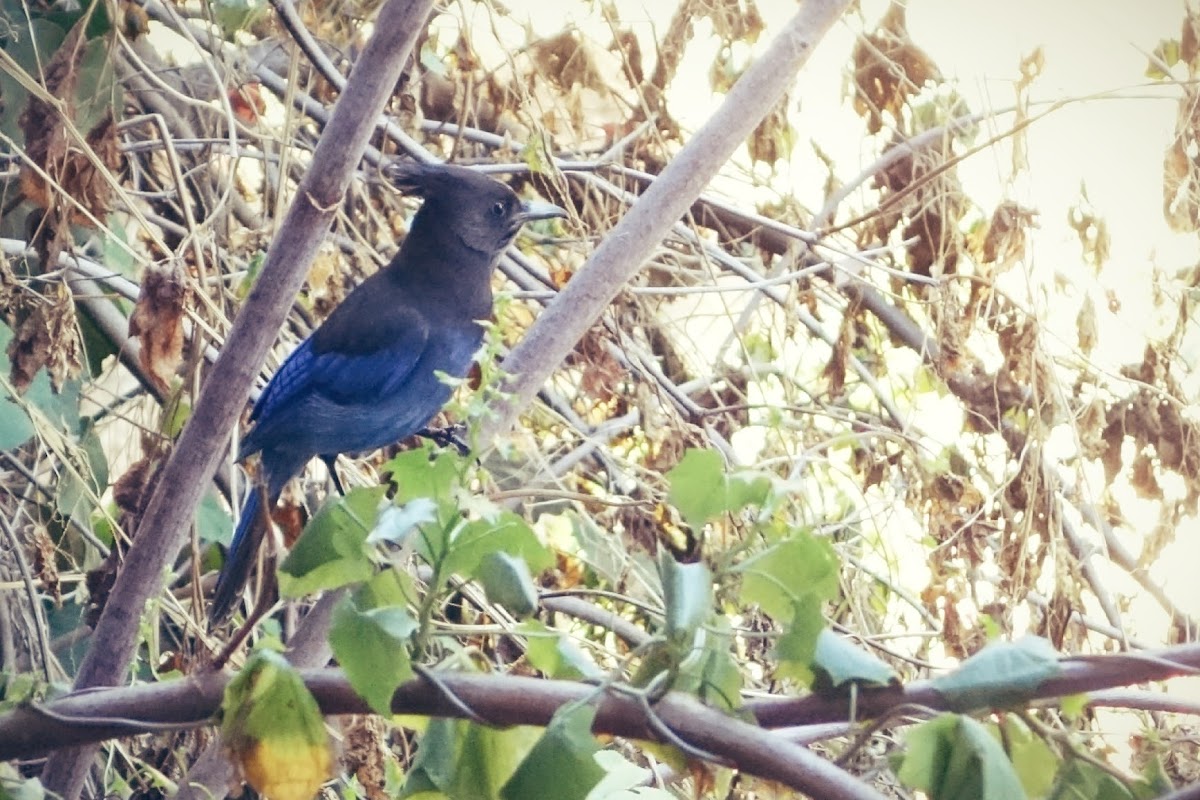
(553, 654)
(433, 768)
(1073, 705)
(506, 533)
(562, 764)
(389, 587)
(799, 567)
(235, 15)
(636, 793)
(59, 410)
(395, 523)
(536, 156)
(332, 550)
(711, 673)
(272, 727)
(1032, 759)
(372, 648)
(213, 523)
(953, 757)
(96, 346)
(687, 595)
(30, 49)
(15, 426)
(1001, 675)
(79, 488)
(465, 761)
(837, 662)
(429, 473)
(1167, 53)
(1079, 780)
(701, 489)
(508, 584)
(622, 779)
(795, 650)
(927, 752)
(14, 786)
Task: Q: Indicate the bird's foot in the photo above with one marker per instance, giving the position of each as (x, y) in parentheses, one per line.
(445, 437)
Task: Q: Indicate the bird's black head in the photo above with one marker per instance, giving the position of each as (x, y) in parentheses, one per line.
(466, 207)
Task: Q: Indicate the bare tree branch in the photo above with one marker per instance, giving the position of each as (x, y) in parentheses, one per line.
(626, 248)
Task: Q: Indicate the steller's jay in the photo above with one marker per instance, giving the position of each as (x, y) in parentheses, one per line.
(367, 377)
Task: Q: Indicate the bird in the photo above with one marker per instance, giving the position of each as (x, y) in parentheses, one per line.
(368, 376)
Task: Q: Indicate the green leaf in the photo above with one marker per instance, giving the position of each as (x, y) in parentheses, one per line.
(1001, 675)
(253, 267)
(465, 761)
(332, 550)
(1167, 52)
(1032, 759)
(395, 523)
(506, 533)
(96, 345)
(837, 662)
(507, 583)
(711, 673)
(429, 473)
(372, 648)
(553, 654)
(624, 779)
(213, 522)
(13, 786)
(536, 155)
(953, 757)
(1073, 705)
(272, 727)
(79, 489)
(389, 587)
(802, 566)
(795, 651)
(15, 425)
(1079, 780)
(59, 410)
(562, 764)
(687, 595)
(235, 15)
(702, 491)
(37, 40)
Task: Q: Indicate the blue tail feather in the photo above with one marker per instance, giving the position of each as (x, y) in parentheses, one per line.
(242, 552)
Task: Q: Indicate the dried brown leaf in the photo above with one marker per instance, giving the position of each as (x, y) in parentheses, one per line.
(47, 337)
(773, 138)
(157, 321)
(888, 69)
(48, 145)
(1189, 50)
(1180, 204)
(1007, 233)
(1085, 326)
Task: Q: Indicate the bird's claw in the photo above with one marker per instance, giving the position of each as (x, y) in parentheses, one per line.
(450, 435)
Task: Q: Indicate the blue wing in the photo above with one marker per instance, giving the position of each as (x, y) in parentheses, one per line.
(290, 379)
(350, 379)
(346, 380)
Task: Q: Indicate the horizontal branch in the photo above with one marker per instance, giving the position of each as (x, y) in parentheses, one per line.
(1077, 675)
(501, 700)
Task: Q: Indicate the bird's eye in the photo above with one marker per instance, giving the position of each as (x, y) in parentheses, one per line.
(499, 209)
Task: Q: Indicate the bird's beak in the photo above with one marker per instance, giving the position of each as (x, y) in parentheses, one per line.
(534, 209)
